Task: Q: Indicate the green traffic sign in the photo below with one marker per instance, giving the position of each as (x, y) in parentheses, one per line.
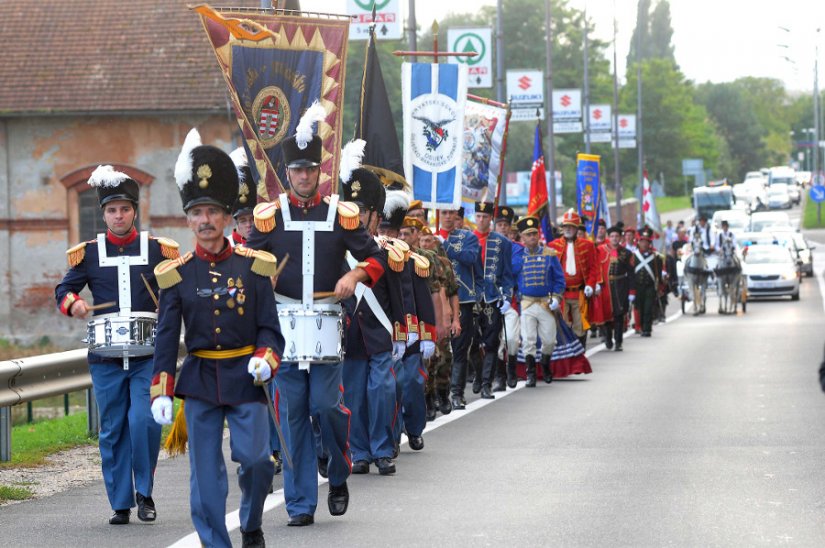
(471, 42)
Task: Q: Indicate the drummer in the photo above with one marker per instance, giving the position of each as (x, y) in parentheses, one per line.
(314, 388)
(129, 438)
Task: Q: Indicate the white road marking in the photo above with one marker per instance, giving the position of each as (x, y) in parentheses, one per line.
(276, 499)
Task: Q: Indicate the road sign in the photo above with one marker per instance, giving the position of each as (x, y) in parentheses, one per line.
(817, 194)
(387, 19)
(600, 122)
(567, 110)
(525, 89)
(480, 67)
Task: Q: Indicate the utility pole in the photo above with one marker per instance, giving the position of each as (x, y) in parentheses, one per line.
(411, 35)
(499, 54)
(639, 139)
(616, 172)
(551, 148)
(586, 88)
(816, 107)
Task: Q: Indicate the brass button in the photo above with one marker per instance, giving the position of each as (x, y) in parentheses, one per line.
(214, 280)
(217, 313)
(120, 249)
(217, 330)
(215, 297)
(218, 347)
(212, 265)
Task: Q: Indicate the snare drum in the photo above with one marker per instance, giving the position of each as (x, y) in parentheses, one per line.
(114, 336)
(313, 336)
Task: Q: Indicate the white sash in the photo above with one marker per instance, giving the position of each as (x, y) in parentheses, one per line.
(362, 290)
(645, 263)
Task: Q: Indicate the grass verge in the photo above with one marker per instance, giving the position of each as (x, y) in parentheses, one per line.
(32, 443)
(665, 204)
(10, 492)
(809, 214)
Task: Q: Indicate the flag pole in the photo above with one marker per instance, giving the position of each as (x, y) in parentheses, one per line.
(501, 160)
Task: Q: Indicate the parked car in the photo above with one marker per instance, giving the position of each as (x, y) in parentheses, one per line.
(767, 220)
(779, 197)
(771, 272)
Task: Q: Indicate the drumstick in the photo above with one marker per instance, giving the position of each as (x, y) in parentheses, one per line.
(101, 305)
(281, 265)
(323, 294)
(149, 288)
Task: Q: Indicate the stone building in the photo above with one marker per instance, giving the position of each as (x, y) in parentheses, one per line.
(90, 83)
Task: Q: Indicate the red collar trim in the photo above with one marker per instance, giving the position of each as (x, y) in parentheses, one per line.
(205, 255)
(237, 238)
(122, 240)
(296, 200)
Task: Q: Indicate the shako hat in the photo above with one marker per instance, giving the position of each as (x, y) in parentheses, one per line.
(505, 214)
(359, 184)
(205, 175)
(113, 185)
(304, 148)
(527, 224)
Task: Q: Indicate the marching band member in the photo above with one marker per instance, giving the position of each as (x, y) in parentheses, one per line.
(298, 221)
(511, 332)
(247, 198)
(111, 266)
(464, 253)
(648, 273)
(621, 278)
(233, 343)
(578, 258)
(497, 290)
(541, 283)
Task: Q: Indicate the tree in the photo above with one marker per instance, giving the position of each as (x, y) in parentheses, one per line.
(643, 28)
(661, 33)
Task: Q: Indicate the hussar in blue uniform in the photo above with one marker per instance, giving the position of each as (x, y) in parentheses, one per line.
(464, 253)
(511, 317)
(540, 281)
(120, 339)
(233, 341)
(497, 290)
(316, 232)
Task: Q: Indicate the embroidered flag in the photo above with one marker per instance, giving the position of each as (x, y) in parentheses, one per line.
(434, 97)
(484, 134)
(588, 189)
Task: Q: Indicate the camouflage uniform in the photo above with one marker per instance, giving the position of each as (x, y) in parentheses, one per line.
(440, 367)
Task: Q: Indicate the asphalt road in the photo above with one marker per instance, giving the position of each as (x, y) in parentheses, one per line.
(712, 432)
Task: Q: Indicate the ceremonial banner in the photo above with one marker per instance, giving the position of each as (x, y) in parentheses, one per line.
(588, 189)
(434, 97)
(275, 66)
(650, 216)
(484, 130)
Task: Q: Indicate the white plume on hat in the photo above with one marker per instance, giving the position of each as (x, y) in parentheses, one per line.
(183, 167)
(239, 159)
(303, 133)
(106, 176)
(351, 156)
(396, 199)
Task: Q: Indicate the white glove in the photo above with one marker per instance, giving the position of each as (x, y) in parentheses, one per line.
(631, 297)
(588, 291)
(412, 338)
(427, 349)
(505, 307)
(554, 304)
(259, 369)
(598, 289)
(398, 348)
(162, 410)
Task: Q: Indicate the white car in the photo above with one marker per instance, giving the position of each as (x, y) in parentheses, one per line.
(771, 271)
(768, 220)
(779, 197)
(738, 220)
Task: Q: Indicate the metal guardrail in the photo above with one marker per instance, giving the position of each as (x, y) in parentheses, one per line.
(34, 378)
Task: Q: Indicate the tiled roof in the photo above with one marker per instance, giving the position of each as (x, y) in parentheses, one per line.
(107, 56)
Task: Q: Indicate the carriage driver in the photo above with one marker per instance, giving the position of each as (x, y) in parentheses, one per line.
(725, 235)
(112, 266)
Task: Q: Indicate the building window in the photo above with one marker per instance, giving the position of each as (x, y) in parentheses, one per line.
(91, 218)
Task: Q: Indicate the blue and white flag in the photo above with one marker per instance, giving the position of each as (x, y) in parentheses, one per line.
(434, 97)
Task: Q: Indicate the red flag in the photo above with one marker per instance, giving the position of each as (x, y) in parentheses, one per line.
(538, 179)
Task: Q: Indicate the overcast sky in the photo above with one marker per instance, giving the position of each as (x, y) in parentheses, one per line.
(715, 40)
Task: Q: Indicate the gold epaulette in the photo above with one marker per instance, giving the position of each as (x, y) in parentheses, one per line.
(549, 251)
(169, 248)
(402, 246)
(348, 215)
(76, 254)
(395, 258)
(263, 262)
(166, 272)
(422, 265)
(264, 216)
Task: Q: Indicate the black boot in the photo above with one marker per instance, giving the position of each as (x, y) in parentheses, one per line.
(608, 338)
(431, 411)
(477, 380)
(498, 385)
(530, 362)
(583, 340)
(546, 372)
(444, 404)
(511, 371)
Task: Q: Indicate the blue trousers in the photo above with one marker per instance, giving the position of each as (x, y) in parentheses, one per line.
(274, 441)
(411, 377)
(129, 437)
(369, 393)
(317, 393)
(249, 445)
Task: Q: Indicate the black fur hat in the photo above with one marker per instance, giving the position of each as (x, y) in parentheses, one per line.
(113, 185)
(205, 175)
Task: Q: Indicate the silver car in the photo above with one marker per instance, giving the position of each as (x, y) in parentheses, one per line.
(771, 271)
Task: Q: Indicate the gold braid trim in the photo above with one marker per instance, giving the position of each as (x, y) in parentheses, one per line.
(176, 440)
(76, 254)
(263, 263)
(166, 272)
(348, 215)
(169, 248)
(264, 216)
(422, 265)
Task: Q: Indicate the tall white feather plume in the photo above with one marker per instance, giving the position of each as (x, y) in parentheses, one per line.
(396, 199)
(351, 156)
(183, 167)
(239, 159)
(106, 176)
(303, 133)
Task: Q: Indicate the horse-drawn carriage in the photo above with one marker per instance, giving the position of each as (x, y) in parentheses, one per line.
(697, 270)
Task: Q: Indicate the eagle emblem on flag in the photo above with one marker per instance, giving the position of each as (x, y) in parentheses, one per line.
(434, 132)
